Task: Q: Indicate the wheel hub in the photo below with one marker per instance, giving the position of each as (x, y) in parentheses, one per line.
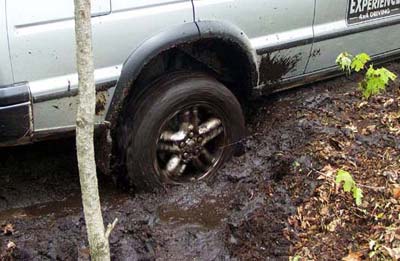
(192, 146)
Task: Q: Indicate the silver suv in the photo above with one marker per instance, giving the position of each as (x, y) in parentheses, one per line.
(172, 75)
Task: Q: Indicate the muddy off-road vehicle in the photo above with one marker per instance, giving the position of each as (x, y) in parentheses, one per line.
(172, 75)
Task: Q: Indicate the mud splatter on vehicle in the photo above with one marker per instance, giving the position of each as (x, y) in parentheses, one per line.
(274, 67)
(101, 101)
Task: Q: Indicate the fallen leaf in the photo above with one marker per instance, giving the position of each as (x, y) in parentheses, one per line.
(8, 229)
(396, 192)
(11, 245)
(336, 144)
(388, 102)
(368, 130)
(351, 127)
(353, 256)
(391, 175)
(371, 128)
(394, 253)
(331, 227)
(362, 104)
(327, 172)
(372, 244)
(324, 211)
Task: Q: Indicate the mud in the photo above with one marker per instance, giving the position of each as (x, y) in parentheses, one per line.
(101, 101)
(209, 213)
(274, 68)
(243, 215)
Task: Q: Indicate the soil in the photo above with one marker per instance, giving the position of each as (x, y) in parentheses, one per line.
(278, 201)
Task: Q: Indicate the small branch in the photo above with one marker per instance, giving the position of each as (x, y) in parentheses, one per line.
(371, 187)
(322, 174)
(110, 228)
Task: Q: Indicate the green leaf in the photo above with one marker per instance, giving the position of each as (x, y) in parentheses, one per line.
(349, 185)
(357, 195)
(373, 86)
(371, 72)
(344, 176)
(359, 61)
(385, 75)
(376, 81)
(344, 61)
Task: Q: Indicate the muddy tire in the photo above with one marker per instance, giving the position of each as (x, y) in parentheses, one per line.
(183, 128)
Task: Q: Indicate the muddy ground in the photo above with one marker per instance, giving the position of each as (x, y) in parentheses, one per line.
(276, 202)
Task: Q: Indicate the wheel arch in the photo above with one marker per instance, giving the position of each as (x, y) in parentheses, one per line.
(185, 40)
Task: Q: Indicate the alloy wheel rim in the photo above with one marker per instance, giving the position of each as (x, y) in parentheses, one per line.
(190, 144)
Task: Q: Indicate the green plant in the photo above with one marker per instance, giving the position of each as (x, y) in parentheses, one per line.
(349, 185)
(375, 80)
(295, 258)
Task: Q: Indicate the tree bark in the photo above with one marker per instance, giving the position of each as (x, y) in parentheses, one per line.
(98, 238)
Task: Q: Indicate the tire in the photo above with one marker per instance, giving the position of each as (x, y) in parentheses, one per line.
(183, 128)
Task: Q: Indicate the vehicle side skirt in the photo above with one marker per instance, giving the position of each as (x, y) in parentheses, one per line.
(15, 114)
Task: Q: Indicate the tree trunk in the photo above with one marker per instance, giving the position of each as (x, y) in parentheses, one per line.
(98, 239)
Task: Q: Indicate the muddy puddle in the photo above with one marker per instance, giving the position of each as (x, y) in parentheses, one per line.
(209, 214)
(57, 209)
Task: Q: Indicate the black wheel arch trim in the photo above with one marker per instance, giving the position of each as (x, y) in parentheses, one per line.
(182, 34)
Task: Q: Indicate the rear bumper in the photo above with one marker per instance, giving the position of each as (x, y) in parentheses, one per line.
(15, 114)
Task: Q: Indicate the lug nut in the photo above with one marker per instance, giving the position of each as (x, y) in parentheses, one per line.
(191, 135)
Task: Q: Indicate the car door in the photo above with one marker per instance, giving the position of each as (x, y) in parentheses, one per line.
(280, 31)
(41, 36)
(354, 26)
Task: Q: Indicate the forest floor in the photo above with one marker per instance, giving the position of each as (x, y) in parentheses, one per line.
(278, 201)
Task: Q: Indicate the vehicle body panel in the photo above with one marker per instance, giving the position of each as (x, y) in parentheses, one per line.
(42, 39)
(267, 30)
(333, 34)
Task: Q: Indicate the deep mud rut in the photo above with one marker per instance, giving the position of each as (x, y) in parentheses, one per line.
(244, 214)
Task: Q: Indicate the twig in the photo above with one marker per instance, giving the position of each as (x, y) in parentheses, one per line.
(323, 174)
(110, 227)
(371, 187)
